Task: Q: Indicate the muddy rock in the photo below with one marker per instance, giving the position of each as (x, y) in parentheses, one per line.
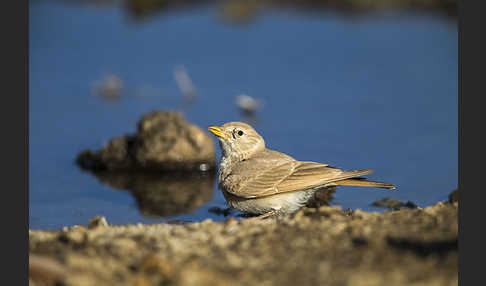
(164, 141)
(454, 196)
(391, 203)
(97, 221)
(323, 246)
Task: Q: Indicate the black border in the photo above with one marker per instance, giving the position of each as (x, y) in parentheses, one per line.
(472, 47)
(15, 132)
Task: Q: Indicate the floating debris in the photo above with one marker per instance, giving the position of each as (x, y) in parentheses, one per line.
(185, 83)
(110, 87)
(248, 107)
(248, 104)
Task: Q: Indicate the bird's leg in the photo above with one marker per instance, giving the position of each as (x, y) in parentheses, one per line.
(268, 214)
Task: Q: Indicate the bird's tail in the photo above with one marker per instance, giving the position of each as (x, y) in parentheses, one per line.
(362, 182)
(354, 179)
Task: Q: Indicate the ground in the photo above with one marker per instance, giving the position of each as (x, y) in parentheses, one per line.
(316, 246)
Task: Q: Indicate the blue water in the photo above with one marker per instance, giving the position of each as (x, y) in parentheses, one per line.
(375, 92)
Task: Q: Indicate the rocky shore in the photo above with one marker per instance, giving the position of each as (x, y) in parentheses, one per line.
(316, 246)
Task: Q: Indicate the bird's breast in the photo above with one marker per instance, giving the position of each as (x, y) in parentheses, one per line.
(224, 169)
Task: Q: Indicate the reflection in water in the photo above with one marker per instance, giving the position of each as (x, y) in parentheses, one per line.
(161, 195)
(239, 11)
(245, 11)
(141, 8)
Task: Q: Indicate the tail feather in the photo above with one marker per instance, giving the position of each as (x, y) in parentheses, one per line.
(361, 182)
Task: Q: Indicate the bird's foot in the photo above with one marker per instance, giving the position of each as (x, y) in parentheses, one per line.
(266, 215)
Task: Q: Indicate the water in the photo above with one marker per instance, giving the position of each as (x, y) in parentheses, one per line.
(375, 92)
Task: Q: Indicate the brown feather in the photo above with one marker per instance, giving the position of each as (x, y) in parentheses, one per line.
(292, 176)
(363, 183)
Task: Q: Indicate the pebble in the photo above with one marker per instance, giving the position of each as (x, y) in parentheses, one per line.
(97, 221)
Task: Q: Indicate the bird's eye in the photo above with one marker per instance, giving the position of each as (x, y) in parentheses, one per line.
(240, 133)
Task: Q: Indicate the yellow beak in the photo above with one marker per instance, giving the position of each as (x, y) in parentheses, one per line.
(216, 131)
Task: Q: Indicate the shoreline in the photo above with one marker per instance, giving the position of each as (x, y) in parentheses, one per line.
(315, 246)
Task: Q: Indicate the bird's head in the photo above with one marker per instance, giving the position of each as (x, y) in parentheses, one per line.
(238, 140)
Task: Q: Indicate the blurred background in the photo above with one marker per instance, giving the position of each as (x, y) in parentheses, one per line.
(355, 84)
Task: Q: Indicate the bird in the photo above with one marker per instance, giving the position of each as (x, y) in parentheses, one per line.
(264, 182)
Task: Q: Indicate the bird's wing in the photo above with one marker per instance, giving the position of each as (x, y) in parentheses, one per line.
(292, 176)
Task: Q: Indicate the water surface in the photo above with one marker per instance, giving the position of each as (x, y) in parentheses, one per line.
(376, 92)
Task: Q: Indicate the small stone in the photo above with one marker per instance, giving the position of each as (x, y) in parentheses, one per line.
(410, 205)
(360, 214)
(230, 225)
(97, 221)
(389, 203)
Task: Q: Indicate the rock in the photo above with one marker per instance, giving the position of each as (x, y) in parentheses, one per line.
(164, 141)
(97, 221)
(75, 237)
(454, 196)
(394, 204)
